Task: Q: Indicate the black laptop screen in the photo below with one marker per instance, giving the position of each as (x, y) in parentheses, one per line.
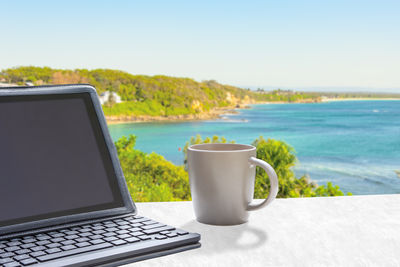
(53, 159)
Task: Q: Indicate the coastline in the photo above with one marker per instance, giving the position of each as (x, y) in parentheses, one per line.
(217, 113)
(213, 114)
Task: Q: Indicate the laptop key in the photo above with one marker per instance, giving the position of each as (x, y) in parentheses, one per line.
(144, 237)
(7, 254)
(43, 237)
(82, 244)
(111, 229)
(111, 238)
(53, 245)
(11, 249)
(84, 230)
(96, 241)
(132, 239)
(85, 234)
(109, 234)
(137, 233)
(69, 247)
(21, 257)
(149, 222)
(118, 242)
(73, 252)
(52, 250)
(172, 234)
(157, 230)
(151, 226)
(69, 242)
(43, 242)
(82, 239)
(5, 260)
(29, 245)
(12, 244)
(12, 264)
(37, 254)
(39, 248)
(181, 232)
(160, 237)
(29, 261)
(135, 229)
(72, 232)
(99, 232)
(121, 232)
(139, 220)
(58, 235)
(22, 251)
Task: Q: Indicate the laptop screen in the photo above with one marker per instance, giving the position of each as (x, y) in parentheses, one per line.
(53, 159)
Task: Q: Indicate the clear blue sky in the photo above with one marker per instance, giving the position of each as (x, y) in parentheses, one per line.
(288, 44)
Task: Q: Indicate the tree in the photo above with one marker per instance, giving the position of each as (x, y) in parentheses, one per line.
(150, 177)
(111, 101)
(282, 158)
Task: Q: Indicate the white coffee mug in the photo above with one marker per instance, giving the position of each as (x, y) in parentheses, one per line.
(222, 179)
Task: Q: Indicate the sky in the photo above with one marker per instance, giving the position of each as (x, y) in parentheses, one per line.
(308, 45)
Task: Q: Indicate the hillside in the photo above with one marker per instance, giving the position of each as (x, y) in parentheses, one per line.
(152, 97)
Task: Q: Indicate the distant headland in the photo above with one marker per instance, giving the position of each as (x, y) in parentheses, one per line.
(137, 98)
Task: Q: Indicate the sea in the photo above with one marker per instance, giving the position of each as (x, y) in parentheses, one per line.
(353, 144)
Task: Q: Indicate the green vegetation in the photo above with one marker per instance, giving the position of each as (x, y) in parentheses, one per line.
(150, 177)
(151, 95)
(281, 157)
(162, 95)
(143, 95)
(286, 96)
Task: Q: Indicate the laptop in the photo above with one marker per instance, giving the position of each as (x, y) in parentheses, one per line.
(63, 196)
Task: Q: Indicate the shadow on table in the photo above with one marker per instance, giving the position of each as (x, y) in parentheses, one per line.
(219, 238)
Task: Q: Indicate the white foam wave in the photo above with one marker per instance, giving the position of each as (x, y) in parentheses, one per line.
(227, 119)
(375, 173)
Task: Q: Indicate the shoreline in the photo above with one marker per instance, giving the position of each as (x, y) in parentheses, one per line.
(217, 113)
(214, 114)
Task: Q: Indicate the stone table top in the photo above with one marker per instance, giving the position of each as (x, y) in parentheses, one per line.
(330, 231)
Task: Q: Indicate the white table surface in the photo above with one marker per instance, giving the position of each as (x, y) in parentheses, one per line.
(331, 231)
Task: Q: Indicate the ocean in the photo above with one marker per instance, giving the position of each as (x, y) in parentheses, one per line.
(353, 144)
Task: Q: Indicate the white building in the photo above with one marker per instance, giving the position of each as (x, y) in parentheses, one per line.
(105, 97)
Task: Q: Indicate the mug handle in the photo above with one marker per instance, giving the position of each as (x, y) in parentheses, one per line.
(273, 178)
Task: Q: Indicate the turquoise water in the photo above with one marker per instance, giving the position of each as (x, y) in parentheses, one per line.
(354, 144)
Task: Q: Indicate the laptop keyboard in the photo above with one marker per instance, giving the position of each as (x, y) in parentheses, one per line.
(42, 247)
